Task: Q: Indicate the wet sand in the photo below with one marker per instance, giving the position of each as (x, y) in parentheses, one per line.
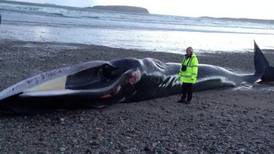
(217, 121)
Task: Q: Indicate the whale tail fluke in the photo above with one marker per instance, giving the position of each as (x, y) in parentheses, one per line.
(261, 63)
(262, 67)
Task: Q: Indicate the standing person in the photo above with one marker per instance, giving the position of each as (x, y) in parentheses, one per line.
(188, 75)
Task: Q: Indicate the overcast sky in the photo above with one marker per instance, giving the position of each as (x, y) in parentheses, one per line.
(261, 9)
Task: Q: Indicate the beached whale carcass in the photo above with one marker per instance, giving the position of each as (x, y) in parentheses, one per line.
(101, 83)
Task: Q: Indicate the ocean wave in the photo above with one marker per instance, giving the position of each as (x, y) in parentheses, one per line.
(83, 18)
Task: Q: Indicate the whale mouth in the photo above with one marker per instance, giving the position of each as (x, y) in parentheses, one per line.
(104, 82)
(93, 84)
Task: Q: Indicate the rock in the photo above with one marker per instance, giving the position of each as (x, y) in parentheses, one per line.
(241, 151)
(88, 151)
(211, 124)
(94, 144)
(147, 149)
(250, 120)
(62, 120)
(131, 150)
(245, 112)
(201, 114)
(62, 149)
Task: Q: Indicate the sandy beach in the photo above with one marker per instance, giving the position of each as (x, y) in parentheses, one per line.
(238, 120)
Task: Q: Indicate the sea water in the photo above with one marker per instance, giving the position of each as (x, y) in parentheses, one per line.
(149, 32)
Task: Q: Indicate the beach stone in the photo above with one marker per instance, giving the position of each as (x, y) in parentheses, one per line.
(147, 149)
(241, 151)
(62, 149)
(88, 151)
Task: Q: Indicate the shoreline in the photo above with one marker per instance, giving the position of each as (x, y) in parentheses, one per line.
(217, 121)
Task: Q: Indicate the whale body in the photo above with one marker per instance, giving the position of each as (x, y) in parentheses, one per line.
(102, 83)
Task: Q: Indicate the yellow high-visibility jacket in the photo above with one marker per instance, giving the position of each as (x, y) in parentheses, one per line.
(191, 73)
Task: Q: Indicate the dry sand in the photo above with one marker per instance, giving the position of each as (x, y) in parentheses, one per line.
(217, 121)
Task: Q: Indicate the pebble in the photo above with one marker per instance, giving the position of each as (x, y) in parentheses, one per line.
(147, 149)
(241, 151)
(62, 120)
(62, 149)
(88, 151)
(94, 144)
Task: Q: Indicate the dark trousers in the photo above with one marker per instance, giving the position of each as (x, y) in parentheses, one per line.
(187, 91)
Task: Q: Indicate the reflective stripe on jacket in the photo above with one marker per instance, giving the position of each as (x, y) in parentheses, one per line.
(190, 75)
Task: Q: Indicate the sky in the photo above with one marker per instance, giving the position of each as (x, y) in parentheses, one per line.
(259, 9)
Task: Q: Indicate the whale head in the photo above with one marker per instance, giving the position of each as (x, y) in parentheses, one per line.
(97, 83)
(113, 80)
